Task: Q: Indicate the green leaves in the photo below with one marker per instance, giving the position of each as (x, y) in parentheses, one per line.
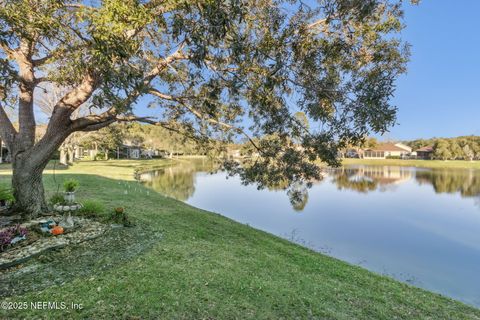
(223, 70)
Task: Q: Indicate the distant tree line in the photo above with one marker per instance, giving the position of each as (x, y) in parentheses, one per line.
(459, 148)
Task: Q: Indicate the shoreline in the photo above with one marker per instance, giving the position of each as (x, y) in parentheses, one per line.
(207, 265)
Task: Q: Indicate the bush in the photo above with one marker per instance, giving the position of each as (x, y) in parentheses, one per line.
(393, 157)
(6, 194)
(99, 156)
(8, 234)
(119, 216)
(92, 208)
(70, 185)
(57, 198)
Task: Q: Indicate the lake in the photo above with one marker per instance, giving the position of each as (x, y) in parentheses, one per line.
(420, 226)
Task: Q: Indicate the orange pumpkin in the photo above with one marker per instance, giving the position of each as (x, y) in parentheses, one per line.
(57, 230)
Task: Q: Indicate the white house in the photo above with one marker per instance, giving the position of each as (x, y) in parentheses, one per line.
(384, 150)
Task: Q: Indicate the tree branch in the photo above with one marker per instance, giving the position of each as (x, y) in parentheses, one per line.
(202, 117)
(9, 51)
(163, 63)
(41, 61)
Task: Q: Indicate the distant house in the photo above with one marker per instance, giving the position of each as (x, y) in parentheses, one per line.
(385, 150)
(352, 153)
(425, 153)
(130, 151)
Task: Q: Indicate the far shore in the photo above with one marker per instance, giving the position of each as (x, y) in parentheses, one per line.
(149, 164)
(460, 164)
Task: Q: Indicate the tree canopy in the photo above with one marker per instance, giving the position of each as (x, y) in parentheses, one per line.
(218, 70)
(463, 147)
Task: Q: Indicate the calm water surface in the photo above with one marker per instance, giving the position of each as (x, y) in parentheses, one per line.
(419, 226)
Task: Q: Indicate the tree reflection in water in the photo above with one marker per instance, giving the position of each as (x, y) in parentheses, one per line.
(465, 182)
(178, 181)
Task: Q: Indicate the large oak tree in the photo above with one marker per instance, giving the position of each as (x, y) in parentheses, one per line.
(217, 70)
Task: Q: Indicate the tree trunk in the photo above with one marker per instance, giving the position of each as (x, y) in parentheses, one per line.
(70, 157)
(28, 165)
(63, 156)
(28, 188)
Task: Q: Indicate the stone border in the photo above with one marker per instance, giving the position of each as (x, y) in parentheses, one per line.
(67, 208)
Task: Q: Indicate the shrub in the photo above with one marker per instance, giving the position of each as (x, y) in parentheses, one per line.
(8, 234)
(92, 208)
(57, 198)
(119, 216)
(70, 185)
(6, 194)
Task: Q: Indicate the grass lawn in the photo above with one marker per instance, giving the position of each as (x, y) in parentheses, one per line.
(205, 266)
(460, 164)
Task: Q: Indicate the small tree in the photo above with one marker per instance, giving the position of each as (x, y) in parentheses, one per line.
(455, 149)
(105, 139)
(468, 152)
(442, 150)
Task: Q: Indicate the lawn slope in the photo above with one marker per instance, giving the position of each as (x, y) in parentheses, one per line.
(206, 266)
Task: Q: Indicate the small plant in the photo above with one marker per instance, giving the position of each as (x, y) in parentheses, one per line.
(57, 198)
(6, 194)
(119, 216)
(70, 185)
(100, 156)
(8, 234)
(91, 208)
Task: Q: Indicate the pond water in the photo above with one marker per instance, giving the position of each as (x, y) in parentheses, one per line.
(420, 226)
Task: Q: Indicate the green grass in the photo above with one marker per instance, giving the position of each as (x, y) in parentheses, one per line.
(205, 266)
(460, 164)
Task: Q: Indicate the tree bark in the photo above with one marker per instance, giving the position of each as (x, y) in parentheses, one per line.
(28, 187)
(28, 165)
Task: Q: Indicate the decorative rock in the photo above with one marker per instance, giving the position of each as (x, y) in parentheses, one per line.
(17, 239)
(66, 208)
(67, 221)
(88, 230)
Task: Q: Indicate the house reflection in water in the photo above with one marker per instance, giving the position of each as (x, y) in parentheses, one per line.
(370, 178)
(178, 181)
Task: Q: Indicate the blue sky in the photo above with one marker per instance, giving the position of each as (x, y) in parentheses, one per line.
(440, 94)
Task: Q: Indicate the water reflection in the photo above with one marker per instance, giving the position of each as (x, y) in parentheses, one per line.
(419, 226)
(465, 182)
(364, 179)
(178, 181)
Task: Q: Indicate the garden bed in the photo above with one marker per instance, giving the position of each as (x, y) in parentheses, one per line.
(38, 242)
(85, 260)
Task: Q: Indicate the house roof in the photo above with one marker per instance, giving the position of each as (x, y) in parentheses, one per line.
(426, 149)
(387, 147)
